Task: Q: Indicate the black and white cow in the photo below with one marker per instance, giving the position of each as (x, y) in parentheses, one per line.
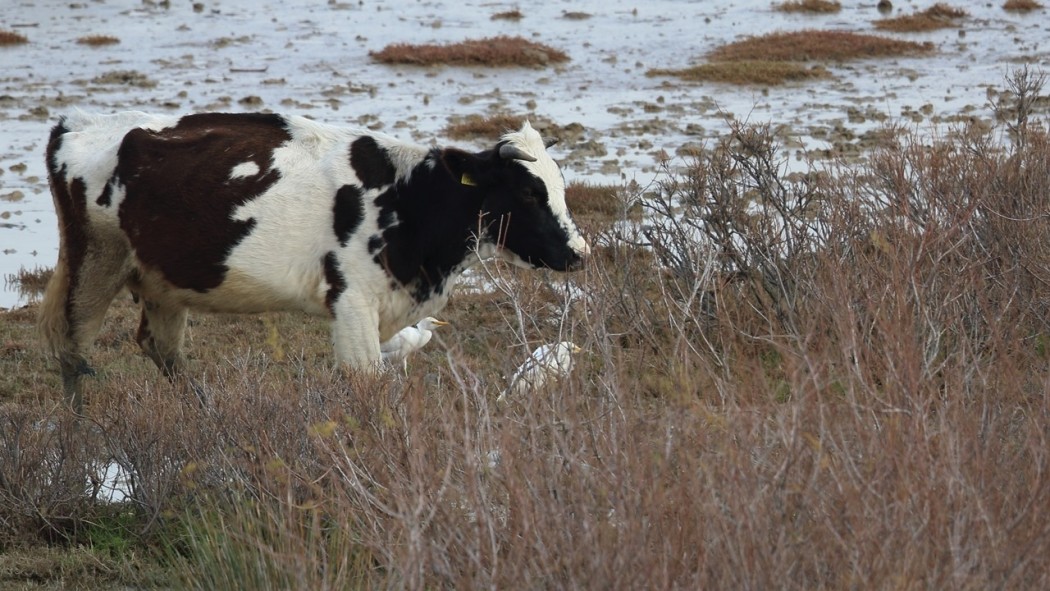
(256, 212)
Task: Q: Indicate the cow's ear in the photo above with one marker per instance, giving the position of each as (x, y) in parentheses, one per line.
(463, 166)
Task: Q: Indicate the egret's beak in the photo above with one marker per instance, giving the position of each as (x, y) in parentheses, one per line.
(576, 349)
(440, 323)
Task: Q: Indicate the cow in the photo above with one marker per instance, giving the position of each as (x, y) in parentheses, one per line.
(256, 212)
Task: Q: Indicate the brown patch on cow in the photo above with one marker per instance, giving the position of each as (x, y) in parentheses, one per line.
(348, 212)
(177, 212)
(371, 163)
(336, 282)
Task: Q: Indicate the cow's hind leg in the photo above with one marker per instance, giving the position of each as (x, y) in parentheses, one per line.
(161, 332)
(80, 291)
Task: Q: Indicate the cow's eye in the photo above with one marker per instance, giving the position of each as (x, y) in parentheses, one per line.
(530, 197)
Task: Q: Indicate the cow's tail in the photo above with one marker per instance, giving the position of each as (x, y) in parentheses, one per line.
(53, 322)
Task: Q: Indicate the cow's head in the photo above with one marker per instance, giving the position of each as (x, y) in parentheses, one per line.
(523, 202)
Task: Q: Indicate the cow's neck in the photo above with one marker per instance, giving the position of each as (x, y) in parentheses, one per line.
(433, 240)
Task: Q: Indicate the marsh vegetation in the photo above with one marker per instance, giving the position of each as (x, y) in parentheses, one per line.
(817, 380)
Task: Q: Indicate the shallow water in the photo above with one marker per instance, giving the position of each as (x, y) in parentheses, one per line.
(309, 57)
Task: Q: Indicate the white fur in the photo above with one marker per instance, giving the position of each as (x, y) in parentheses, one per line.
(244, 169)
(531, 142)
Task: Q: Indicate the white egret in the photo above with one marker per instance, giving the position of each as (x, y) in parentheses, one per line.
(408, 340)
(552, 361)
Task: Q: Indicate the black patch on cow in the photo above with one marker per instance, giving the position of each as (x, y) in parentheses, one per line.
(426, 224)
(106, 196)
(349, 211)
(371, 163)
(336, 282)
(386, 203)
(178, 204)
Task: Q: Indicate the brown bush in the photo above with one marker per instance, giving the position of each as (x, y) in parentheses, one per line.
(1021, 5)
(816, 6)
(771, 59)
(938, 16)
(502, 51)
(98, 40)
(815, 45)
(12, 38)
(509, 15)
(481, 126)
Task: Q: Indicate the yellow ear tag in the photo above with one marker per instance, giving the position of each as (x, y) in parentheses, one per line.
(467, 180)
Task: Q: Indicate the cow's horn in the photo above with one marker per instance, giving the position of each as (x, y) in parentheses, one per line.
(549, 141)
(512, 152)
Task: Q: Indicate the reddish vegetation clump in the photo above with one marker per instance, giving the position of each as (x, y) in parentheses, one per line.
(779, 57)
(480, 126)
(12, 38)
(1021, 5)
(800, 46)
(493, 51)
(510, 15)
(938, 16)
(810, 6)
(97, 40)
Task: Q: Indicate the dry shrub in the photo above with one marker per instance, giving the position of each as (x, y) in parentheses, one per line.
(942, 10)
(12, 38)
(938, 16)
(815, 6)
(1021, 5)
(815, 45)
(483, 126)
(509, 15)
(829, 380)
(502, 51)
(776, 58)
(589, 201)
(30, 281)
(98, 40)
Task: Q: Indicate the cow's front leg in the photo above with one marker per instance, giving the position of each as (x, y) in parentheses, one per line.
(355, 332)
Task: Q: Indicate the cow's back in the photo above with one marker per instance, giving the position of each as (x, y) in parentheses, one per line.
(176, 189)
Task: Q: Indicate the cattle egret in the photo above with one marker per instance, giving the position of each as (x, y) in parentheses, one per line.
(548, 362)
(408, 340)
